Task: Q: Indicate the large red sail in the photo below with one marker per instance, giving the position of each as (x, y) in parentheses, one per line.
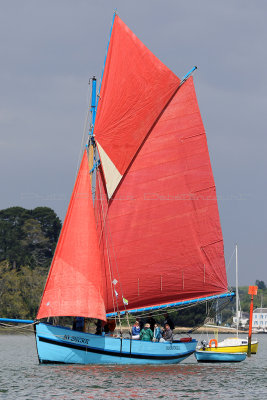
(162, 229)
(74, 284)
(135, 88)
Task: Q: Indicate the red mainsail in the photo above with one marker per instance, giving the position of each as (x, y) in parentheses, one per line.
(74, 284)
(162, 236)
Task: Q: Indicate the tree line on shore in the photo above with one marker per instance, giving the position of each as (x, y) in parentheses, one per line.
(27, 242)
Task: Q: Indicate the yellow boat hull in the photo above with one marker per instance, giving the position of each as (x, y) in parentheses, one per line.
(234, 349)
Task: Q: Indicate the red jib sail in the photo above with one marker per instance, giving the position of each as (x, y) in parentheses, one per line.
(74, 284)
(160, 234)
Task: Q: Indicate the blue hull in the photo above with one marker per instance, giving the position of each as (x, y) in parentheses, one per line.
(209, 356)
(62, 345)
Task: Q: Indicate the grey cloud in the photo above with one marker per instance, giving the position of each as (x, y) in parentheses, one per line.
(50, 49)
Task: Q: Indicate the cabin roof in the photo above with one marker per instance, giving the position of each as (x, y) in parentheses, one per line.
(260, 310)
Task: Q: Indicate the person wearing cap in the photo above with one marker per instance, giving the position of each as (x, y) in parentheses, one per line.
(146, 333)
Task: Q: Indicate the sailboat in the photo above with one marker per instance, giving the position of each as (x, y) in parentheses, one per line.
(142, 231)
(231, 345)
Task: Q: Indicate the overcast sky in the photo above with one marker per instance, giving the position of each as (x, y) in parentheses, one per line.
(49, 50)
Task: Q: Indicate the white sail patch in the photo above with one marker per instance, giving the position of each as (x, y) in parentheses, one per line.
(111, 173)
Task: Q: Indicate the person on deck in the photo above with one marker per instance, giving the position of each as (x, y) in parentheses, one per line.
(169, 321)
(157, 333)
(136, 330)
(167, 334)
(146, 333)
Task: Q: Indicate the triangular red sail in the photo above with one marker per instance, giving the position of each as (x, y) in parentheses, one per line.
(135, 88)
(163, 229)
(74, 284)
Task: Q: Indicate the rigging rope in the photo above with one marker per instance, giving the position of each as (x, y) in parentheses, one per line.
(105, 231)
(228, 265)
(108, 257)
(211, 312)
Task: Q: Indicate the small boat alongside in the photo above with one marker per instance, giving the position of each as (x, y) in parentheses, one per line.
(231, 345)
(212, 356)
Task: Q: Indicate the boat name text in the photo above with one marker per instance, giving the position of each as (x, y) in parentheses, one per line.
(76, 339)
(172, 347)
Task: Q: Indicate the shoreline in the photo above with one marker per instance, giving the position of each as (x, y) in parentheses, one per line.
(177, 330)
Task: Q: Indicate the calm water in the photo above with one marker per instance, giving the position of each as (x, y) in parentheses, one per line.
(21, 377)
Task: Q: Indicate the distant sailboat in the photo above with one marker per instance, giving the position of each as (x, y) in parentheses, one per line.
(142, 231)
(237, 344)
(232, 344)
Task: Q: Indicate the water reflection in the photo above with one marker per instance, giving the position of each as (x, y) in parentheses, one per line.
(23, 378)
